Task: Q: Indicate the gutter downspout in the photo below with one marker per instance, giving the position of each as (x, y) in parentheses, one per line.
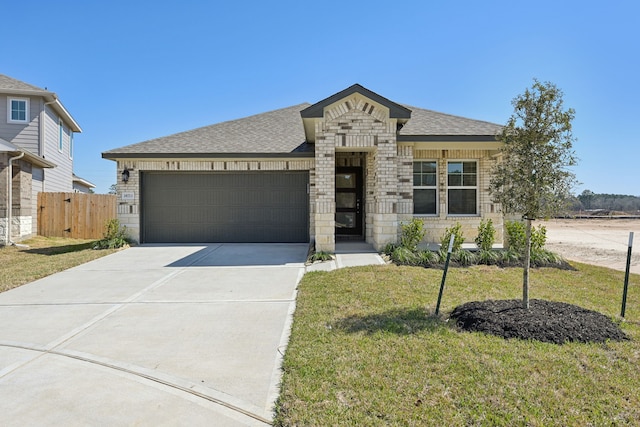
(9, 196)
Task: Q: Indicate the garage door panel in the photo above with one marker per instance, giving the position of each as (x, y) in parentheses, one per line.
(189, 207)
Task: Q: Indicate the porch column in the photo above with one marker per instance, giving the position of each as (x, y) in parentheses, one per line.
(325, 203)
(385, 217)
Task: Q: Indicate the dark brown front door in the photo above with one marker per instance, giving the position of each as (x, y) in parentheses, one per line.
(349, 201)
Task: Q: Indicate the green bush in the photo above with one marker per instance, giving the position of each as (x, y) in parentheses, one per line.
(405, 256)
(538, 238)
(516, 236)
(463, 257)
(487, 257)
(389, 248)
(321, 256)
(456, 230)
(412, 234)
(427, 258)
(486, 235)
(115, 236)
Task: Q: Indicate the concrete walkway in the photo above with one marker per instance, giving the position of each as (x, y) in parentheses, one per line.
(152, 335)
(349, 254)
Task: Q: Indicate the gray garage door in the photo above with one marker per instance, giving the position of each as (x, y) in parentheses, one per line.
(186, 207)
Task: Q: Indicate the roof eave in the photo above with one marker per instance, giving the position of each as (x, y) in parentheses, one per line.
(446, 138)
(208, 156)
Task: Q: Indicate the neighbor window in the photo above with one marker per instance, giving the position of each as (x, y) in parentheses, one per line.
(60, 135)
(425, 193)
(18, 110)
(462, 187)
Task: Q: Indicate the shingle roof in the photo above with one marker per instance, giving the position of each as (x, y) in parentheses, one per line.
(428, 122)
(281, 132)
(275, 132)
(10, 84)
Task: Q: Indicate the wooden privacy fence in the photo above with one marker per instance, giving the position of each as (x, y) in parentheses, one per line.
(75, 215)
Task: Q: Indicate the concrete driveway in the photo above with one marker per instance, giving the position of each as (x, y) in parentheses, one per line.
(153, 335)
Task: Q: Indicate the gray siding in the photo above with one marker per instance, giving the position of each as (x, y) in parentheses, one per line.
(25, 135)
(58, 179)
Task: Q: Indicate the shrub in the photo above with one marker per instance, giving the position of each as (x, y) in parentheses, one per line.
(404, 256)
(115, 236)
(427, 258)
(509, 257)
(538, 238)
(412, 234)
(321, 256)
(456, 230)
(487, 257)
(486, 235)
(463, 257)
(516, 236)
(389, 248)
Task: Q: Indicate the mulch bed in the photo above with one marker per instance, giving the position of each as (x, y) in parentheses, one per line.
(547, 321)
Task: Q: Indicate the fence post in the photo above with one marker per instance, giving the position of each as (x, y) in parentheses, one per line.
(444, 273)
(626, 275)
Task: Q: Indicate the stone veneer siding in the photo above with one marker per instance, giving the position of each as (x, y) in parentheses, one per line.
(129, 210)
(23, 207)
(356, 124)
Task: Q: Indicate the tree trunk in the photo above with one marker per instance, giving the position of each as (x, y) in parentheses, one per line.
(525, 273)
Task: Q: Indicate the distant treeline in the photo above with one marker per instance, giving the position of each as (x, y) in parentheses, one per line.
(589, 200)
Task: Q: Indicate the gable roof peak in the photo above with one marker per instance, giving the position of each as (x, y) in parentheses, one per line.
(396, 110)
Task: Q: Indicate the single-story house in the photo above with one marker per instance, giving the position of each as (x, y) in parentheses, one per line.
(355, 165)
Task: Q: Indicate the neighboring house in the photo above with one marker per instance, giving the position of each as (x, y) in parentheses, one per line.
(36, 153)
(81, 185)
(352, 166)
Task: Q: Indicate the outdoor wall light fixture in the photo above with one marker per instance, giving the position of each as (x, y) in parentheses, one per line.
(125, 175)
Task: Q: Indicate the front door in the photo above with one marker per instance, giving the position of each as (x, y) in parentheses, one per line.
(349, 201)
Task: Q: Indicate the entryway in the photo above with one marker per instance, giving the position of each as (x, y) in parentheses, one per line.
(349, 203)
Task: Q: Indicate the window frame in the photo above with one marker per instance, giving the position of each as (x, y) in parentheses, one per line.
(464, 187)
(60, 135)
(10, 118)
(427, 187)
(70, 145)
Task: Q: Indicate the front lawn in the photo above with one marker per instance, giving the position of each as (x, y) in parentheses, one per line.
(365, 350)
(43, 257)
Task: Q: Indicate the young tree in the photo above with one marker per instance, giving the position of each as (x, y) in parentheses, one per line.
(532, 178)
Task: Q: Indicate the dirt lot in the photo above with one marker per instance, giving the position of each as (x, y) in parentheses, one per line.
(595, 241)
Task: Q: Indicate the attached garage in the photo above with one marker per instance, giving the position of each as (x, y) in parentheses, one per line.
(242, 207)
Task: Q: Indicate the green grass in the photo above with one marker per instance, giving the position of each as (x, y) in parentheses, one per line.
(43, 257)
(365, 349)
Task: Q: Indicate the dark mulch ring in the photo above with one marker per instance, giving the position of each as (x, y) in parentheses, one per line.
(547, 321)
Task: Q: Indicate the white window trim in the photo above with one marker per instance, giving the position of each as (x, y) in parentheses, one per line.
(70, 145)
(464, 187)
(60, 135)
(426, 187)
(27, 111)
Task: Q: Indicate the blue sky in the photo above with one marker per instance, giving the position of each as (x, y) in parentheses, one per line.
(130, 70)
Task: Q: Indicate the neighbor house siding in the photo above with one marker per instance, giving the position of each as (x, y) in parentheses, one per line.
(129, 209)
(58, 179)
(24, 135)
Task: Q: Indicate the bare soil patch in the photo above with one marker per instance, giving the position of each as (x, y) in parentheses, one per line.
(547, 321)
(600, 242)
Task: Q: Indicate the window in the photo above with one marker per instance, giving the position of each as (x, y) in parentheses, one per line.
(18, 110)
(60, 135)
(70, 144)
(425, 192)
(462, 184)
